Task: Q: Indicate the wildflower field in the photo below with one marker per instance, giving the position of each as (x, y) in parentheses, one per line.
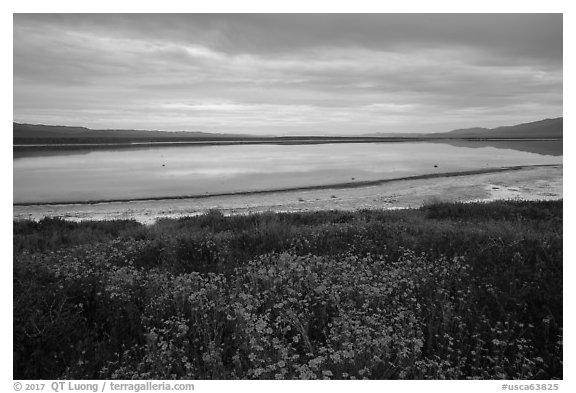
(447, 291)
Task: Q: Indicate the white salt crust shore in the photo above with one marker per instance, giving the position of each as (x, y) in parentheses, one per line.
(531, 183)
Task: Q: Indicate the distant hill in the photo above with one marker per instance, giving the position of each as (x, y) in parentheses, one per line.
(44, 134)
(39, 133)
(548, 128)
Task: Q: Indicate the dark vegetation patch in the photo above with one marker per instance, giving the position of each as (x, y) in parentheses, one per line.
(446, 291)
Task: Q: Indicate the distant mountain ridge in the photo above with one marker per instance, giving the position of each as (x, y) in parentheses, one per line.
(547, 128)
(26, 132)
(46, 134)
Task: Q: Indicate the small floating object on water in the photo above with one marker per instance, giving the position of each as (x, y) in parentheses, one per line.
(353, 178)
(163, 165)
(435, 166)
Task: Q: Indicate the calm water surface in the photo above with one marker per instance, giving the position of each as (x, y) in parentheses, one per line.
(161, 171)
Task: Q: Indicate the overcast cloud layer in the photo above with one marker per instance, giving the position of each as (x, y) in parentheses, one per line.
(288, 74)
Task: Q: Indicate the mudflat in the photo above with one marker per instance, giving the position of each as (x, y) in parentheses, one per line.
(527, 183)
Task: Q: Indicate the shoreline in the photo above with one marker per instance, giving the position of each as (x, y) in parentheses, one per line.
(542, 182)
(336, 186)
(269, 140)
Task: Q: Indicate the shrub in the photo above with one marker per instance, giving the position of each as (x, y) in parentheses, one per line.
(450, 291)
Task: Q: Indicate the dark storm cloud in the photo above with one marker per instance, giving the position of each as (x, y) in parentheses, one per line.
(288, 73)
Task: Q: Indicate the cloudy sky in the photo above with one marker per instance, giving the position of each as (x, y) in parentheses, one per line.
(287, 74)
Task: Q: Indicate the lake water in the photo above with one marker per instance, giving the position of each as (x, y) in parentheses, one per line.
(171, 171)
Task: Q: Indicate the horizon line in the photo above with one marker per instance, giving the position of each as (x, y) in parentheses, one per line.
(280, 135)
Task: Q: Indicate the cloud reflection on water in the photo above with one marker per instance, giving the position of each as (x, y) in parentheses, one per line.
(193, 170)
